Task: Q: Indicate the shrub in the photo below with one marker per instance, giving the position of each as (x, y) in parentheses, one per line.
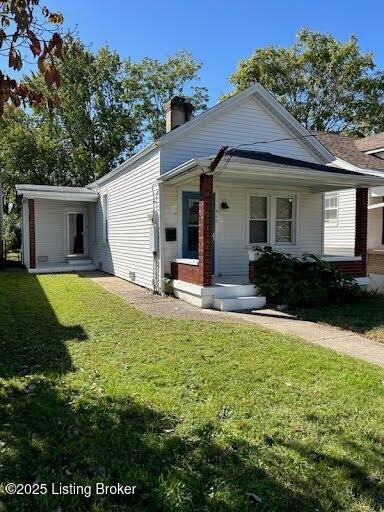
(306, 281)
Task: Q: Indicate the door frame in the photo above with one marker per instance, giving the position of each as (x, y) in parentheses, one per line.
(185, 195)
(84, 212)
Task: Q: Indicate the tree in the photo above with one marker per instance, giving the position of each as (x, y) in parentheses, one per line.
(91, 121)
(103, 111)
(24, 30)
(325, 84)
(149, 84)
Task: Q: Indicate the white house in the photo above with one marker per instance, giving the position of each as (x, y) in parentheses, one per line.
(363, 155)
(194, 202)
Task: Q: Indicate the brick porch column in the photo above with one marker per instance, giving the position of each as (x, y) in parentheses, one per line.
(361, 230)
(205, 229)
(32, 236)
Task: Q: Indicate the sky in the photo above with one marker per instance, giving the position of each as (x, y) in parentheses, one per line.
(218, 34)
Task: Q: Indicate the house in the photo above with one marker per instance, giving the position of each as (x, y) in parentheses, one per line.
(363, 155)
(194, 202)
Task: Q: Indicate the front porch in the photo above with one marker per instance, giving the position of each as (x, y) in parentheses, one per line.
(246, 202)
(58, 228)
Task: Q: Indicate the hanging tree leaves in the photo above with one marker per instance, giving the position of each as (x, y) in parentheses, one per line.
(25, 31)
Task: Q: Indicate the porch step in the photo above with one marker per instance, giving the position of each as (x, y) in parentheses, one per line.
(239, 303)
(79, 262)
(223, 291)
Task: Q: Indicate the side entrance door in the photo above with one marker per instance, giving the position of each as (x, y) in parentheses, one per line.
(191, 226)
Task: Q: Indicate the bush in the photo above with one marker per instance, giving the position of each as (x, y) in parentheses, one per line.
(306, 281)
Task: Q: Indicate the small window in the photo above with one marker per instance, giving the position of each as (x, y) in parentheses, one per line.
(258, 220)
(331, 203)
(105, 219)
(284, 228)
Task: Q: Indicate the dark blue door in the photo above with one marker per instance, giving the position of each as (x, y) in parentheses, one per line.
(191, 224)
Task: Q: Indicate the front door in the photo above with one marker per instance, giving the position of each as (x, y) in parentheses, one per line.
(76, 234)
(191, 225)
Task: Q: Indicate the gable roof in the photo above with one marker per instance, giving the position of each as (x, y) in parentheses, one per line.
(266, 99)
(346, 148)
(371, 143)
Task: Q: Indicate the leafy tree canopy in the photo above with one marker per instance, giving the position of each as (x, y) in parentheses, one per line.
(327, 85)
(104, 110)
(25, 32)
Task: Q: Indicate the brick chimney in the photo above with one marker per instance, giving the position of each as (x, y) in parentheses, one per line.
(177, 112)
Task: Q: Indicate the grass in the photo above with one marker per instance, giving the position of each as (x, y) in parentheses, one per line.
(364, 316)
(200, 416)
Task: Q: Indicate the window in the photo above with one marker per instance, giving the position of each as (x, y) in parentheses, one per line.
(284, 229)
(258, 220)
(105, 218)
(330, 208)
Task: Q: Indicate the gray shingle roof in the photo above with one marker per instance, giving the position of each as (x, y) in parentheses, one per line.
(371, 142)
(346, 148)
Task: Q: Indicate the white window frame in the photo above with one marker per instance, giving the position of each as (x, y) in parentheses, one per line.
(331, 222)
(268, 219)
(293, 218)
(104, 206)
(271, 211)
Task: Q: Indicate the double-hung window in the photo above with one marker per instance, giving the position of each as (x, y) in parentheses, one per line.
(284, 223)
(258, 220)
(272, 219)
(331, 201)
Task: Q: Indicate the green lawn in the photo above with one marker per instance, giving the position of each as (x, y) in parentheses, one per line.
(196, 415)
(364, 316)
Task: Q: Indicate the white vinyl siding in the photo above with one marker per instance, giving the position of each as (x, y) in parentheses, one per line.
(232, 224)
(339, 237)
(130, 203)
(104, 199)
(244, 123)
(51, 228)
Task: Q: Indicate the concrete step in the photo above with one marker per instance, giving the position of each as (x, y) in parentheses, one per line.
(80, 262)
(239, 303)
(223, 291)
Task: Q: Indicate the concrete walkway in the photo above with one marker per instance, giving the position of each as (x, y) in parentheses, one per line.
(345, 342)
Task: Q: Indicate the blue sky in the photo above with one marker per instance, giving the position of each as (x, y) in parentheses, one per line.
(217, 33)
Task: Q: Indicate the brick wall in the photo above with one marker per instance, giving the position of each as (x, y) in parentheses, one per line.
(187, 273)
(32, 235)
(205, 229)
(361, 233)
(353, 268)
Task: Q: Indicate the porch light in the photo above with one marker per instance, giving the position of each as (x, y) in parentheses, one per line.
(224, 205)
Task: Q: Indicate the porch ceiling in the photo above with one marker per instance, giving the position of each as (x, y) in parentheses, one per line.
(265, 169)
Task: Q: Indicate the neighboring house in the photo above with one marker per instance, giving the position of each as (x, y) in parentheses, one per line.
(364, 155)
(183, 207)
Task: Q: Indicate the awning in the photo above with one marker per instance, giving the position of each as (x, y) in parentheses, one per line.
(267, 169)
(57, 193)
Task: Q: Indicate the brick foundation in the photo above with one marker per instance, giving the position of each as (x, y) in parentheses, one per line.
(353, 268)
(187, 273)
(32, 234)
